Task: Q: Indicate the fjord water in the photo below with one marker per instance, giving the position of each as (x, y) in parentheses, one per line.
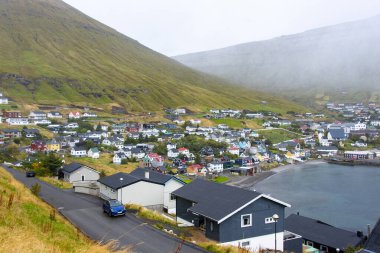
(343, 196)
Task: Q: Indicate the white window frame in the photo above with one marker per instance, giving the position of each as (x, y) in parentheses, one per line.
(250, 220)
(269, 220)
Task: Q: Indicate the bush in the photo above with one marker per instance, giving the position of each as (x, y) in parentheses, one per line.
(36, 189)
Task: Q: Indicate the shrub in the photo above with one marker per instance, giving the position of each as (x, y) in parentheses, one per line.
(36, 189)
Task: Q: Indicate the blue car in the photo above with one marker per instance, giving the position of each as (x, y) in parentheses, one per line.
(113, 207)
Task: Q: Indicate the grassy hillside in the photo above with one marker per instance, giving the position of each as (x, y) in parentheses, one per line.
(25, 224)
(51, 53)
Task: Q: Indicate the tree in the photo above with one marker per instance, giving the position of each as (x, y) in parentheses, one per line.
(160, 149)
(52, 162)
(98, 127)
(197, 159)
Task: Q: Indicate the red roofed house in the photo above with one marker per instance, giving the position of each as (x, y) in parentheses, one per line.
(184, 151)
(74, 115)
(38, 146)
(153, 160)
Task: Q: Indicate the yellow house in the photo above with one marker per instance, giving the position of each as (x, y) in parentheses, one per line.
(53, 146)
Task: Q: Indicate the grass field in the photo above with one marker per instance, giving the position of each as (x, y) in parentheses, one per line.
(57, 183)
(221, 179)
(278, 135)
(29, 225)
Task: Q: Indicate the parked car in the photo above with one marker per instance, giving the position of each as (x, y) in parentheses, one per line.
(113, 207)
(30, 173)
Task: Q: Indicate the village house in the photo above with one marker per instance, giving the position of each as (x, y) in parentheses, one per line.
(231, 215)
(53, 146)
(76, 172)
(143, 187)
(54, 115)
(321, 236)
(93, 153)
(337, 134)
(79, 151)
(119, 157)
(89, 115)
(37, 115)
(11, 133)
(12, 114)
(184, 151)
(3, 99)
(173, 153)
(359, 155)
(75, 115)
(215, 167)
(17, 121)
(38, 146)
(31, 133)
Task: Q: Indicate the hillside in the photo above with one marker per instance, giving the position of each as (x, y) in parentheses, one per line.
(50, 53)
(337, 62)
(25, 225)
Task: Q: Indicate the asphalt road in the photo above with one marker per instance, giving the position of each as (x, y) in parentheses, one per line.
(85, 212)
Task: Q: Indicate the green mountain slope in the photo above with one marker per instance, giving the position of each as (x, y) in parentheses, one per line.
(51, 53)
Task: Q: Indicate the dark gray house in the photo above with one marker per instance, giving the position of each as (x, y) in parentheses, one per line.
(322, 236)
(231, 215)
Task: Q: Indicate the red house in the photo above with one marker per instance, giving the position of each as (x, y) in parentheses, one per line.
(38, 146)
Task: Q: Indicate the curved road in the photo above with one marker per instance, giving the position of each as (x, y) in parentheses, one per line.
(85, 212)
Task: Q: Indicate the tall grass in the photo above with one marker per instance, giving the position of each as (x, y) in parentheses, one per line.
(29, 225)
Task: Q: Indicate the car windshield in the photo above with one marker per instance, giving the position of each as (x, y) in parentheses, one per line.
(115, 203)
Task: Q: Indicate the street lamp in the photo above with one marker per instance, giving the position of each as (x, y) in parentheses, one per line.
(121, 190)
(337, 250)
(275, 217)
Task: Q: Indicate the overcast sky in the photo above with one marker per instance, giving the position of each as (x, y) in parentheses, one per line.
(175, 27)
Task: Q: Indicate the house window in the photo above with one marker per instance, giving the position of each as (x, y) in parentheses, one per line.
(269, 220)
(112, 190)
(324, 248)
(246, 220)
(82, 178)
(309, 243)
(172, 197)
(211, 226)
(245, 244)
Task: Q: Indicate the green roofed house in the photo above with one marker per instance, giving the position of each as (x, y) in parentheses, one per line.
(93, 153)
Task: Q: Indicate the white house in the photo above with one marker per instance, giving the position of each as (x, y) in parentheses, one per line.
(89, 115)
(3, 100)
(93, 153)
(72, 125)
(234, 150)
(37, 115)
(79, 151)
(171, 146)
(54, 115)
(180, 111)
(184, 151)
(76, 172)
(195, 121)
(18, 121)
(173, 153)
(215, 167)
(142, 187)
(119, 157)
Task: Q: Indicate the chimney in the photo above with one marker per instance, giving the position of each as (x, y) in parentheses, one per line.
(147, 174)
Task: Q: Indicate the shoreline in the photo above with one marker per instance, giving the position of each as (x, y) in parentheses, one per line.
(287, 167)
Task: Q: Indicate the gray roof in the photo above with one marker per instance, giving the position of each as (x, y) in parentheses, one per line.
(155, 177)
(320, 232)
(118, 180)
(373, 243)
(137, 175)
(213, 200)
(72, 167)
(80, 148)
(337, 133)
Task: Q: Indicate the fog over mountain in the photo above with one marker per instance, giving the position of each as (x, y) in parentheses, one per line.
(341, 62)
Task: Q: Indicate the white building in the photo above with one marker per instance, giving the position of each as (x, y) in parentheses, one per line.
(76, 172)
(215, 167)
(18, 121)
(79, 151)
(142, 187)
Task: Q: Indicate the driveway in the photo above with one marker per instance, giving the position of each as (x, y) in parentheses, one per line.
(85, 212)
